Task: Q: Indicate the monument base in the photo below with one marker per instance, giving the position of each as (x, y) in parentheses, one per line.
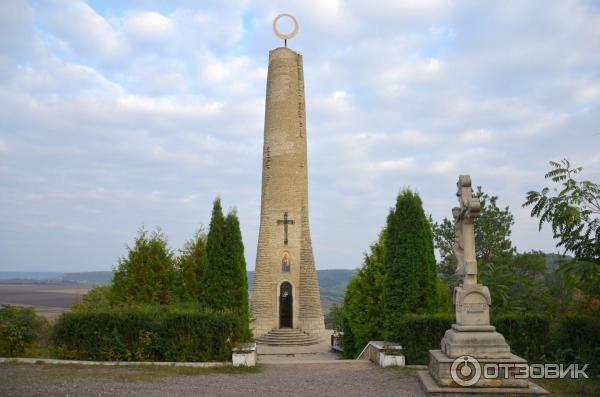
(481, 341)
(313, 326)
(431, 387)
(440, 365)
(261, 327)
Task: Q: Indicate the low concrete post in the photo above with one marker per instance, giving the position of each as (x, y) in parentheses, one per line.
(391, 355)
(244, 355)
(386, 354)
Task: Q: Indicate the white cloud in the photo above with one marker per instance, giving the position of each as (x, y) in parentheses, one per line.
(416, 138)
(442, 167)
(124, 114)
(16, 35)
(545, 125)
(478, 136)
(339, 94)
(589, 92)
(87, 33)
(402, 164)
(148, 25)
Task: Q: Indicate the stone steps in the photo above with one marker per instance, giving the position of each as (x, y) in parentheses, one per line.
(287, 337)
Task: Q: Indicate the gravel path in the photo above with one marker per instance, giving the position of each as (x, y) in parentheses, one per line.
(359, 378)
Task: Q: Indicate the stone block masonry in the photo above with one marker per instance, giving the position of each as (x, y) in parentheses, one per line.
(286, 290)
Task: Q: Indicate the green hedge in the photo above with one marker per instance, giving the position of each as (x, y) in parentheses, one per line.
(20, 329)
(573, 339)
(527, 334)
(578, 341)
(419, 333)
(146, 334)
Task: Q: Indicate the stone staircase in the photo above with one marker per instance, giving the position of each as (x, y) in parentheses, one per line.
(287, 337)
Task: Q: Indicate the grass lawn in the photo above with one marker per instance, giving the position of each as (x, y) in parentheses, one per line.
(571, 387)
(36, 373)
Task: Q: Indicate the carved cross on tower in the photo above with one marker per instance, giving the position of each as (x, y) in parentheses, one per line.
(285, 222)
(464, 233)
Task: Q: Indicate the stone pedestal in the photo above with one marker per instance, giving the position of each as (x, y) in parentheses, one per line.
(480, 342)
(472, 334)
(440, 366)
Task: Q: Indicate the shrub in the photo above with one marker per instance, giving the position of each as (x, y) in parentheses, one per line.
(527, 334)
(20, 328)
(421, 333)
(146, 333)
(577, 341)
(97, 298)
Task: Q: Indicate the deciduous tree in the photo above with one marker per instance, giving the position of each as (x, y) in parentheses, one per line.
(572, 208)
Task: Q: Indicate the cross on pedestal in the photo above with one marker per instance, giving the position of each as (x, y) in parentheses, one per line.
(464, 238)
(285, 222)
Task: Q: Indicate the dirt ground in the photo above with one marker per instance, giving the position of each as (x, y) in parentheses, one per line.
(49, 300)
(359, 378)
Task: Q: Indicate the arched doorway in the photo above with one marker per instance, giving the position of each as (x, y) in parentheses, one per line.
(286, 305)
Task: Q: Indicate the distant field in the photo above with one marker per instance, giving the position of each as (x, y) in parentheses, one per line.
(49, 300)
(52, 293)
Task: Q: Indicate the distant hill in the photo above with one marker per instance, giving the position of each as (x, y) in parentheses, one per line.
(89, 277)
(56, 277)
(332, 283)
(30, 276)
(553, 260)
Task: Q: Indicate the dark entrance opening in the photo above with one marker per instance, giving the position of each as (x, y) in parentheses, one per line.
(285, 305)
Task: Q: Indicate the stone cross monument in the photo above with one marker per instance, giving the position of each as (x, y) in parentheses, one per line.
(472, 342)
(471, 299)
(286, 290)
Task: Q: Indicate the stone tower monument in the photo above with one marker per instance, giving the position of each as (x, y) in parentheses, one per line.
(286, 290)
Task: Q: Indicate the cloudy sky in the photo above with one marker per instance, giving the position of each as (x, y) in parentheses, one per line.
(115, 115)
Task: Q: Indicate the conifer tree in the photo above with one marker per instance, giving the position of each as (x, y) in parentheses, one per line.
(235, 263)
(224, 279)
(363, 302)
(216, 280)
(410, 272)
(147, 273)
(191, 265)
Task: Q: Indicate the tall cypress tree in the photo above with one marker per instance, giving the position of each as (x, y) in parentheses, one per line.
(410, 269)
(215, 278)
(235, 264)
